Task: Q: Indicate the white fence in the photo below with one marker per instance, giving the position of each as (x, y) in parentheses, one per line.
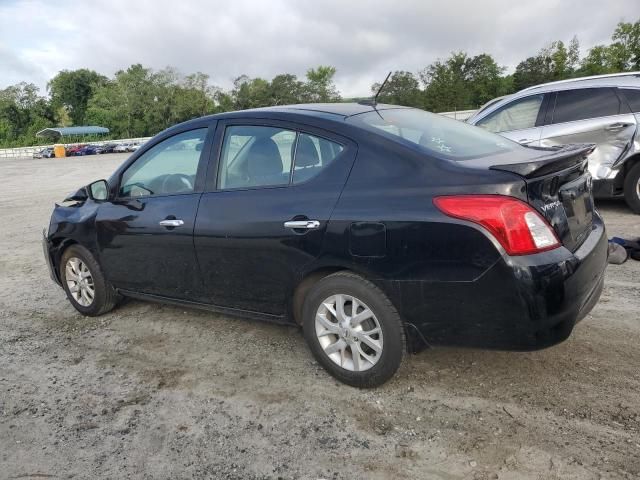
(461, 115)
(29, 151)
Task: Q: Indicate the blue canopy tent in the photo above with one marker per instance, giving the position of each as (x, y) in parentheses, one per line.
(72, 134)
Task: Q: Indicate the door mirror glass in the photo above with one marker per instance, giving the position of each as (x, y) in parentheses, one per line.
(99, 190)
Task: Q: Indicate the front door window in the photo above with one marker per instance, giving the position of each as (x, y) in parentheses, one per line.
(168, 168)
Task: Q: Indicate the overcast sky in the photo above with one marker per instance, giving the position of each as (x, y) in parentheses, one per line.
(362, 39)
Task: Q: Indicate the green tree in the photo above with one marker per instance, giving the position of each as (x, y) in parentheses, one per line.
(22, 113)
(286, 89)
(461, 82)
(72, 89)
(554, 62)
(319, 86)
(402, 88)
(596, 62)
(624, 52)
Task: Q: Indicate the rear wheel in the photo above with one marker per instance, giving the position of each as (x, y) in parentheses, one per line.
(353, 330)
(632, 188)
(83, 282)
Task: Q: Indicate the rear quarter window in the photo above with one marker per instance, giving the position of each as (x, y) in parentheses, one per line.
(633, 98)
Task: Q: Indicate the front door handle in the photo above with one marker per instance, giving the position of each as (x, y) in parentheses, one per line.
(302, 224)
(172, 223)
(526, 140)
(616, 126)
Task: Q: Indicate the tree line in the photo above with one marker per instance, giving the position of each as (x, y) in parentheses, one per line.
(139, 101)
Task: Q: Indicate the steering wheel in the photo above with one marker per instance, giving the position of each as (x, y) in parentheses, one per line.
(177, 183)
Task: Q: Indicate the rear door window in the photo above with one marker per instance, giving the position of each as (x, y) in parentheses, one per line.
(517, 115)
(585, 103)
(256, 156)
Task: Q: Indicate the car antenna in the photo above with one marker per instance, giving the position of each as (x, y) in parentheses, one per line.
(374, 101)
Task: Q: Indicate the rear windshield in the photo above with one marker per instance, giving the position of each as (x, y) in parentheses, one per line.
(442, 136)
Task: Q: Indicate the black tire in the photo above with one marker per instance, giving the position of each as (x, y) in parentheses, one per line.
(393, 333)
(105, 296)
(632, 188)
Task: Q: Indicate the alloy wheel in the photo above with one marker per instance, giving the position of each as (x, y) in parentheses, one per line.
(80, 281)
(349, 332)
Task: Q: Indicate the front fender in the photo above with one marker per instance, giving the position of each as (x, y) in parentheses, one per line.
(71, 224)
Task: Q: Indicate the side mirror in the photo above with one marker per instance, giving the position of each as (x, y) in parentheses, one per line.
(98, 190)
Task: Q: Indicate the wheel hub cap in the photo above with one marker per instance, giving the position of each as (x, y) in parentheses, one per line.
(349, 332)
(79, 281)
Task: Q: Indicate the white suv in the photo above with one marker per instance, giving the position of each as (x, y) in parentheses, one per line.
(604, 110)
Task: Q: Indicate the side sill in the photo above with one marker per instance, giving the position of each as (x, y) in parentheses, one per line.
(266, 317)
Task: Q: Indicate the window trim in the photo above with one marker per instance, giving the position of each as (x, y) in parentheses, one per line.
(297, 128)
(558, 92)
(536, 124)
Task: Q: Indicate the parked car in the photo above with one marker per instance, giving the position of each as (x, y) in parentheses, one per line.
(88, 150)
(132, 147)
(45, 153)
(121, 148)
(105, 148)
(603, 109)
(73, 150)
(375, 228)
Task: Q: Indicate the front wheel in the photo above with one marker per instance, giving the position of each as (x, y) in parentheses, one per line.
(632, 188)
(353, 330)
(83, 282)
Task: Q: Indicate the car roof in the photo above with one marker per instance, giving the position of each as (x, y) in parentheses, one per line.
(333, 111)
(340, 109)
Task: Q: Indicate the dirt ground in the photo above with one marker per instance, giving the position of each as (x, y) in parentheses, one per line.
(152, 391)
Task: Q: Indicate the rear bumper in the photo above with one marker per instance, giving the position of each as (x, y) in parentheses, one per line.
(520, 303)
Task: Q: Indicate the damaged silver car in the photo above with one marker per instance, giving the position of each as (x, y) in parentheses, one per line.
(603, 109)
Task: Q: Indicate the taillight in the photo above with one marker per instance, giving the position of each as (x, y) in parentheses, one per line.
(516, 225)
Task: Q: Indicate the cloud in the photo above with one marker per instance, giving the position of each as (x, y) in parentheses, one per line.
(362, 39)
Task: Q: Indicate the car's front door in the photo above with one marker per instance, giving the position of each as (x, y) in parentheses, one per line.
(519, 120)
(145, 234)
(592, 115)
(266, 214)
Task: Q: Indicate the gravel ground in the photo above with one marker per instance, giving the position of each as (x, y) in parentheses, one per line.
(152, 391)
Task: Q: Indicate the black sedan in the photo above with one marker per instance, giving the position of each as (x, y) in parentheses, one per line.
(377, 229)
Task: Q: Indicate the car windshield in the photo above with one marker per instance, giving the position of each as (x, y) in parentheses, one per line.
(442, 136)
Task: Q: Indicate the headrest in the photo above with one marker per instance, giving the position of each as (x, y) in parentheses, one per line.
(264, 158)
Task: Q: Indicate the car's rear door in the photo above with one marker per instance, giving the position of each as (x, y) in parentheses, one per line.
(266, 211)
(145, 234)
(591, 115)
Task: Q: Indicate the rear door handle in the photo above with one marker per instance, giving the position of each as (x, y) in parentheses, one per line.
(302, 224)
(172, 223)
(616, 126)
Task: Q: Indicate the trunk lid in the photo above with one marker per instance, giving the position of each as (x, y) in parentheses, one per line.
(559, 187)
